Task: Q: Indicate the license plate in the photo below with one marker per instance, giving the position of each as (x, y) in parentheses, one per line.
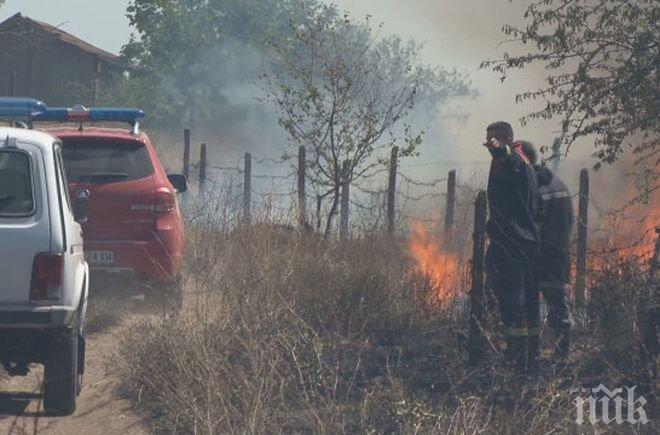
(100, 257)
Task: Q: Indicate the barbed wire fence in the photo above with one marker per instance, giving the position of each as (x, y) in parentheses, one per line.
(276, 189)
(264, 184)
(277, 192)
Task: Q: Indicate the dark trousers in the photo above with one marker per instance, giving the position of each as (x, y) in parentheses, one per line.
(552, 274)
(510, 277)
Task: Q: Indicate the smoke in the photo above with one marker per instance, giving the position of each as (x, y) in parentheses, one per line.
(456, 35)
(229, 116)
(461, 34)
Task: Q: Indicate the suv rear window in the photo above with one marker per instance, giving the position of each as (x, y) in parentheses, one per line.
(101, 162)
(16, 194)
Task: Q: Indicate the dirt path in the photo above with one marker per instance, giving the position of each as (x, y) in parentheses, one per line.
(100, 409)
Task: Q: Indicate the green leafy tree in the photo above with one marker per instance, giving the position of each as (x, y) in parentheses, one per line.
(602, 57)
(346, 96)
(182, 50)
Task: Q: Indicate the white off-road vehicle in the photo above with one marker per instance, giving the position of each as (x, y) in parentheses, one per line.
(43, 273)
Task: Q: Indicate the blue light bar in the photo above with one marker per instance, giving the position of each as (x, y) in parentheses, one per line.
(34, 110)
(94, 114)
(18, 107)
(54, 114)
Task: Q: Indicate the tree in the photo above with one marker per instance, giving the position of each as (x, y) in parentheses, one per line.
(345, 96)
(603, 58)
(185, 53)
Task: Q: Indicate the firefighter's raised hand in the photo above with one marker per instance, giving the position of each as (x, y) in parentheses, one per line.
(493, 144)
(496, 147)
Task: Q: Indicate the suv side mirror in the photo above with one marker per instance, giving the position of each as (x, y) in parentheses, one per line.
(81, 206)
(179, 182)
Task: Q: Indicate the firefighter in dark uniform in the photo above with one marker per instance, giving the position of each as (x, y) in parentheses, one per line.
(513, 238)
(552, 266)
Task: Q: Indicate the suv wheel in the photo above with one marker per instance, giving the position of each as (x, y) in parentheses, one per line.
(82, 345)
(61, 374)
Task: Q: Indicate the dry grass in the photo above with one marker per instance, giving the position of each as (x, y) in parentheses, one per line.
(285, 332)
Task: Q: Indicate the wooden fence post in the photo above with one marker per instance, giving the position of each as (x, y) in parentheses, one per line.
(186, 152)
(556, 154)
(247, 189)
(12, 84)
(302, 198)
(202, 167)
(391, 191)
(655, 260)
(319, 203)
(451, 202)
(477, 347)
(583, 223)
(345, 196)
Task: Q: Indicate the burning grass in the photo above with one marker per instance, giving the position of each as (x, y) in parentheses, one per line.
(287, 332)
(436, 259)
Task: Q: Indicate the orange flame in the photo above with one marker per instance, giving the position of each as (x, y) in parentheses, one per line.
(631, 234)
(622, 232)
(437, 263)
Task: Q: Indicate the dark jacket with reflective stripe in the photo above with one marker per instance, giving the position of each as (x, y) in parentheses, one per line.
(512, 190)
(555, 221)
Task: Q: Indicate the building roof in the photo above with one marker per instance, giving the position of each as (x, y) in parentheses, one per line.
(65, 37)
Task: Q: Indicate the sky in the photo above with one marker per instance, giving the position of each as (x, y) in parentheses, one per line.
(457, 34)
